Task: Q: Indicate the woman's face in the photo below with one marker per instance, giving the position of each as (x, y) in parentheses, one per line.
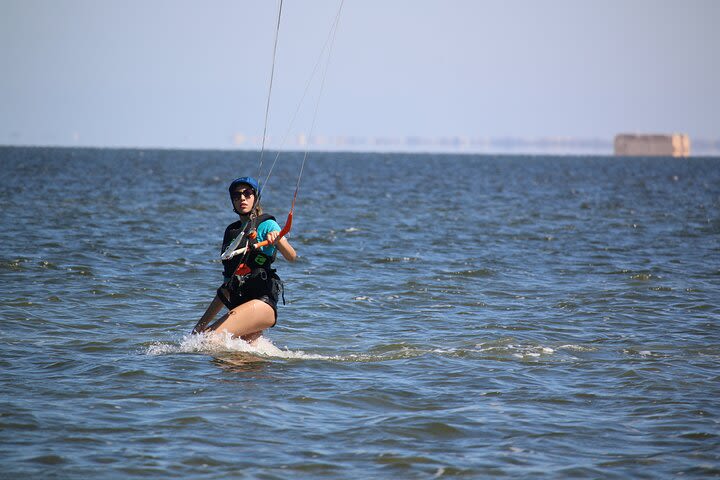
(243, 198)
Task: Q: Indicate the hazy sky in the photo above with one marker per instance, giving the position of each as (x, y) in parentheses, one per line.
(181, 73)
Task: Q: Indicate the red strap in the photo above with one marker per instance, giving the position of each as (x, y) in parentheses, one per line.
(242, 270)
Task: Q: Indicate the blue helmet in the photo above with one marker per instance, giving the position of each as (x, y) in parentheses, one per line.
(247, 181)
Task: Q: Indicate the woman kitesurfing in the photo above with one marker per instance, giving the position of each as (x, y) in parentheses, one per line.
(251, 288)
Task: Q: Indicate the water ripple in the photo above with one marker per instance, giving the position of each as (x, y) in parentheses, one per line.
(558, 317)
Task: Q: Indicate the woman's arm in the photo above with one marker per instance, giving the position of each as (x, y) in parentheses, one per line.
(209, 314)
(283, 245)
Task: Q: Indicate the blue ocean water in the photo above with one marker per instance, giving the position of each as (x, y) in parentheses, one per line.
(449, 316)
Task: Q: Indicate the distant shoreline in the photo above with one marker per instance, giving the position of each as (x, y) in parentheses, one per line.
(701, 149)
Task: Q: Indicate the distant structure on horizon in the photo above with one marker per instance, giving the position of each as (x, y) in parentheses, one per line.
(639, 145)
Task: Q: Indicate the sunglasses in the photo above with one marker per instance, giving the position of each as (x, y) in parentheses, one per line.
(238, 194)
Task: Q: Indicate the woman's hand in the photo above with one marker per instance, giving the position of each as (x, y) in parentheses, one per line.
(272, 236)
(282, 244)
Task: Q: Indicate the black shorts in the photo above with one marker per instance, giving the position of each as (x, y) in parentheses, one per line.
(264, 286)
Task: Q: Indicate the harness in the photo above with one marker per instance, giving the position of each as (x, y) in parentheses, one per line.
(252, 262)
(249, 271)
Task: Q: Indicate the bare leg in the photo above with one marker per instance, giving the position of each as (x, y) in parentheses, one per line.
(252, 337)
(209, 314)
(246, 320)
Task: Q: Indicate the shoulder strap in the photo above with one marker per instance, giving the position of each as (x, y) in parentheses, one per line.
(231, 232)
(264, 217)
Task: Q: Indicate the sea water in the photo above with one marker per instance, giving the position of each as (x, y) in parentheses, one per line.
(449, 316)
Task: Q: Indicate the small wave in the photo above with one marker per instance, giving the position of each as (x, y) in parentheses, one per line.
(15, 264)
(644, 276)
(577, 348)
(649, 354)
(523, 351)
(529, 350)
(220, 343)
(396, 259)
(362, 298)
(224, 342)
(534, 351)
(478, 272)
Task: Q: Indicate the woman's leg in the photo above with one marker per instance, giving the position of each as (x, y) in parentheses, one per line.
(244, 320)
